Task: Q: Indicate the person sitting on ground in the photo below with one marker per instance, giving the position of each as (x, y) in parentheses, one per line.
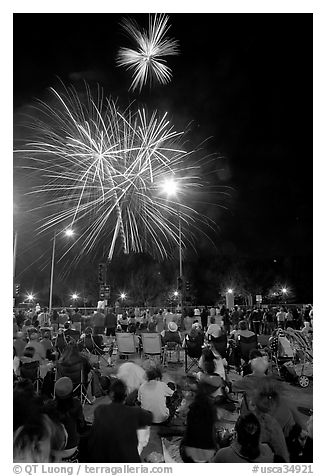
(113, 436)
(247, 368)
(199, 444)
(153, 395)
(133, 376)
(212, 374)
(246, 448)
(69, 412)
(271, 431)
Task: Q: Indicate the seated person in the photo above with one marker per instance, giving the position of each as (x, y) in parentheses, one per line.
(243, 330)
(72, 363)
(133, 376)
(171, 334)
(39, 354)
(123, 321)
(69, 411)
(19, 344)
(153, 394)
(114, 433)
(246, 448)
(48, 346)
(213, 330)
(199, 442)
(194, 342)
(92, 343)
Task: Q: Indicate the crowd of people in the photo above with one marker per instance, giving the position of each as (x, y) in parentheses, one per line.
(61, 360)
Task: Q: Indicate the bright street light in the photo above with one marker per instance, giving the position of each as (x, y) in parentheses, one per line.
(30, 297)
(74, 296)
(284, 290)
(123, 296)
(230, 291)
(176, 293)
(69, 232)
(170, 188)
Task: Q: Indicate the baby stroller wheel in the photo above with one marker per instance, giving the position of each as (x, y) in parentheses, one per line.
(303, 381)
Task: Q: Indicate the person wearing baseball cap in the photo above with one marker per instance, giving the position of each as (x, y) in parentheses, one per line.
(70, 412)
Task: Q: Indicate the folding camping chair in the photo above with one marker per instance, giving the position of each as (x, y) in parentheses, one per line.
(88, 344)
(60, 342)
(169, 349)
(126, 344)
(245, 345)
(193, 351)
(152, 346)
(220, 344)
(31, 371)
(80, 387)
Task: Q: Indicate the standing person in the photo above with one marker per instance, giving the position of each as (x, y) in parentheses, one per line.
(212, 313)
(55, 320)
(44, 318)
(63, 318)
(98, 322)
(235, 316)
(113, 437)
(159, 321)
(167, 317)
(76, 319)
(110, 322)
(204, 318)
(289, 319)
(280, 317)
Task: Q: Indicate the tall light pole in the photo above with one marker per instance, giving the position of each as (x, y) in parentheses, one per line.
(68, 232)
(170, 187)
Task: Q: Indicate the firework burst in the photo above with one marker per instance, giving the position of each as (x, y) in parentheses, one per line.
(146, 61)
(100, 171)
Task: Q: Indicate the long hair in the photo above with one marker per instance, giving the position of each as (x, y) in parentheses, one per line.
(247, 428)
(71, 353)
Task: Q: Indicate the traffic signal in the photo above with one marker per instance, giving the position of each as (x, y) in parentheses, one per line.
(179, 283)
(17, 289)
(105, 291)
(187, 286)
(102, 273)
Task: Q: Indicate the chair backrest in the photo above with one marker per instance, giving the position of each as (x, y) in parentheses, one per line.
(72, 334)
(30, 370)
(126, 343)
(151, 343)
(74, 372)
(246, 344)
(220, 344)
(60, 342)
(193, 348)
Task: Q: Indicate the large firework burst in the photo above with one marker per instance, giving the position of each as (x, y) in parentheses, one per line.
(146, 61)
(100, 170)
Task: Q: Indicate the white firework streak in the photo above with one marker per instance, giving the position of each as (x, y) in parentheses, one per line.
(101, 171)
(146, 61)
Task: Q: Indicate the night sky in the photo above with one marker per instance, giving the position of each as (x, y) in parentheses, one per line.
(242, 80)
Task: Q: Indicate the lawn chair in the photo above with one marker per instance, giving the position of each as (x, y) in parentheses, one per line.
(171, 348)
(220, 344)
(31, 371)
(126, 344)
(245, 345)
(193, 351)
(152, 346)
(80, 387)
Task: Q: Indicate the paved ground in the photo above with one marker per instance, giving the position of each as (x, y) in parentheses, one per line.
(176, 373)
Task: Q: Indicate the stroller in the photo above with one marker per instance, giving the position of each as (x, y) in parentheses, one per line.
(292, 356)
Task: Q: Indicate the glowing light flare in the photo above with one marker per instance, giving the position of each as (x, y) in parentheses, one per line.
(123, 296)
(284, 290)
(169, 187)
(30, 297)
(74, 296)
(176, 294)
(230, 291)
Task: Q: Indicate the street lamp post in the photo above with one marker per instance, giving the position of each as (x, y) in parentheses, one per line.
(170, 187)
(68, 232)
